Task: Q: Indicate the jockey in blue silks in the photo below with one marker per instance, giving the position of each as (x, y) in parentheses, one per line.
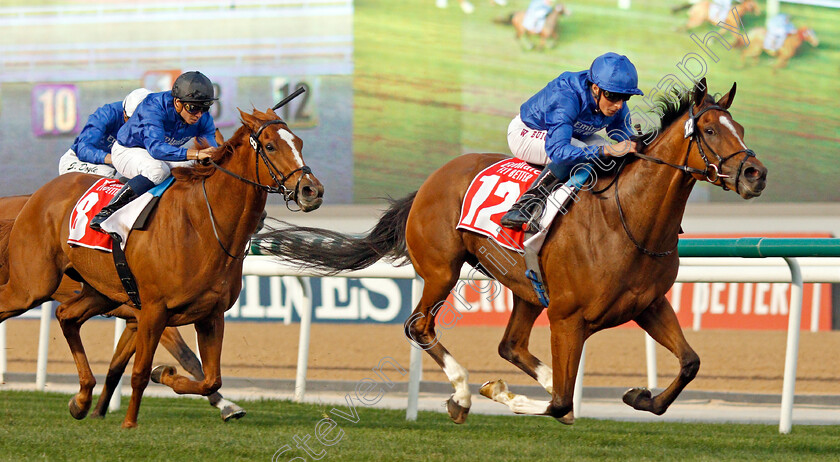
(91, 151)
(556, 127)
(149, 144)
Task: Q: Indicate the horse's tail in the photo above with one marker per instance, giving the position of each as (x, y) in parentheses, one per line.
(5, 231)
(332, 252)
(505, 20)
(678, 8)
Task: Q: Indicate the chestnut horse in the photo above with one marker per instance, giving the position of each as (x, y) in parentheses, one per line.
(788, 50)
(549, 30)
(699, 14)
(187, 262)
(171, 339)
(605, 262)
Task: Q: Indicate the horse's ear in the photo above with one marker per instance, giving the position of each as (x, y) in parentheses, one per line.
(273, 114)
(700, 90)
(249, 120)
(726, 100)
(220, 140)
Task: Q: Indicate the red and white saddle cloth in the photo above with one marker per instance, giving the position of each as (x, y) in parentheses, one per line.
(490, 195)
(91, 202)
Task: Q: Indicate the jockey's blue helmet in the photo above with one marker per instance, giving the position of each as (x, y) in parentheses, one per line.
(615, 73)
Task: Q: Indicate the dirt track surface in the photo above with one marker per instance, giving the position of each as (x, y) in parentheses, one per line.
(734, 361)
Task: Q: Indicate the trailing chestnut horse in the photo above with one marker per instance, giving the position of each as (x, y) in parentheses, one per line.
(699, 13)
(605, 262)
(187, 262)
(788, 49)
(548, 32)
(171, 339)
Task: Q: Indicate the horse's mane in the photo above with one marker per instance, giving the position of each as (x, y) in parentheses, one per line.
(220, 155)
(670, 107)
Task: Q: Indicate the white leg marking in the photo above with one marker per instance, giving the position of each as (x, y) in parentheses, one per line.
(222, 403)
(520, 404)
(457, 376)
(546, 378)
(728, 124)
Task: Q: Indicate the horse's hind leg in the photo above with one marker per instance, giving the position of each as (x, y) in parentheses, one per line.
(177, 347)
(122, 354)
(71, 315)
(660, 322)
(440, 277)
(514, 348)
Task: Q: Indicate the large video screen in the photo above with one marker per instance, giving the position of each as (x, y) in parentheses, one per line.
(398, 88)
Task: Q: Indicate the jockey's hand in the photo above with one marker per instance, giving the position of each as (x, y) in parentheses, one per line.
(202, 156)
(107, 159)
(620, 149)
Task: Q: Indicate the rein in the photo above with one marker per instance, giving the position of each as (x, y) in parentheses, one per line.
(712, 172)
(273, 171)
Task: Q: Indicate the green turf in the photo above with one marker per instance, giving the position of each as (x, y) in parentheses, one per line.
(433, 83)
(36, 426)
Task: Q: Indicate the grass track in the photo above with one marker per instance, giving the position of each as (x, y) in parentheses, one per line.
(36, 426)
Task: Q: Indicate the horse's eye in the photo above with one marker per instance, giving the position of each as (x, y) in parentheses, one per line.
(269, 147)
(709, 131)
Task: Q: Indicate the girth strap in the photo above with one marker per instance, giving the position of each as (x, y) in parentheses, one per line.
(127, 279)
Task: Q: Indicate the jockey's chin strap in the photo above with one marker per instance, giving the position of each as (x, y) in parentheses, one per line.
(278, 176)
(712, 172)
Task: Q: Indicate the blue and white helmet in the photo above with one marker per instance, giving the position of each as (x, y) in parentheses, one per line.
(615, 73)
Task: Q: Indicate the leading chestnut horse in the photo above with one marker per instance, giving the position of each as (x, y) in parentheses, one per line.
(171, 339)
(187, 262)
(606, 262)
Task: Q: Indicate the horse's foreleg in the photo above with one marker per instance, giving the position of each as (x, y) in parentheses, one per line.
(150, 324)
(71, 315)
(660, 322)
(567, 337)
(177, 347)
(514, 348)
(122, 354)
(210, 333)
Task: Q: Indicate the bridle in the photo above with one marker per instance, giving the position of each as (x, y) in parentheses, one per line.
(278, 176)
(711, 173)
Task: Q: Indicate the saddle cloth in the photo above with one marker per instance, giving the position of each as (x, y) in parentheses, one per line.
(121, 222)
(496, 188)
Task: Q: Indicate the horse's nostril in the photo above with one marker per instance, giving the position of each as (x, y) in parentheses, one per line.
(752, 173)
(308, 192)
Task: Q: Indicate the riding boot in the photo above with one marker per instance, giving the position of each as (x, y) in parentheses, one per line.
(132, 189)
(531, 204)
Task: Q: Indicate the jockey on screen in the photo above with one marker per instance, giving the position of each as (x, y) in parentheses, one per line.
(91, 151)
(778, 28)
(556, 127)
(535, 15)
(149, 144)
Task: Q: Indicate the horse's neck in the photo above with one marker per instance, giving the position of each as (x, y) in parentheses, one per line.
(236, 205)
(656, 191)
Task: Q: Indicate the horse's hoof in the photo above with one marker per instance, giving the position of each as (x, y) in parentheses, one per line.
(127, 424)
(232, 411)
(457, 413)
(638, 398)
(567, 419)
(160, 371)
(75, 410)
(493, 388)
(96, 415)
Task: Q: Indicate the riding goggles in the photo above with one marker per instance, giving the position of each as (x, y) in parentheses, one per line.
(615, 97)
(196, 108)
